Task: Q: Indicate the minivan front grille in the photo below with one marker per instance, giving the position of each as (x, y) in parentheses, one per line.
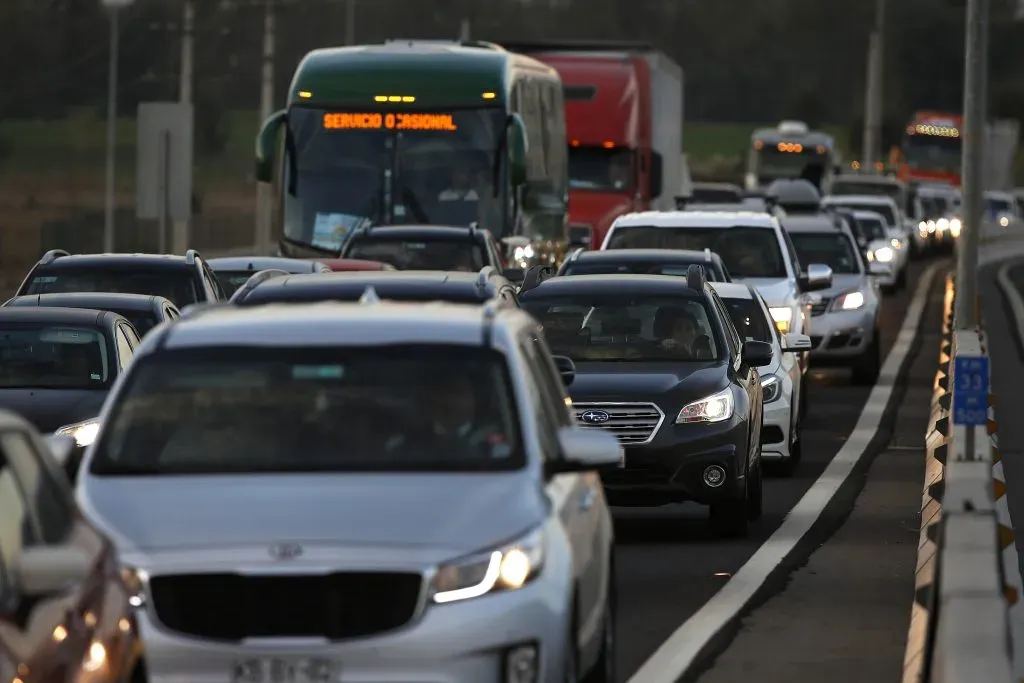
(336, 606)
(632, 423)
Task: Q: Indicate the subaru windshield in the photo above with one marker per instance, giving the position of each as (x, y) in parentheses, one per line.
(245, 409)
(746, 251)
(608, 327)
(344, 170)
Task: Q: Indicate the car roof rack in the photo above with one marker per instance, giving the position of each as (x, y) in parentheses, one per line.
(709, 255)
(490, 312)
(191, 255)
(484, 276)
(53, 255)
(369, 297)
(255, 280)
(695, 278)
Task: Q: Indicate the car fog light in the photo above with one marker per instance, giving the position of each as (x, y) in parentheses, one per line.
(521, 664)
(714, 476)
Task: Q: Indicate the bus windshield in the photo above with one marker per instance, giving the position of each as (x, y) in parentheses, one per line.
(773, 164)
(347, 169)
(932, 153)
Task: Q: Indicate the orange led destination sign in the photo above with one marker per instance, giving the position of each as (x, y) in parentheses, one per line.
(396, 121)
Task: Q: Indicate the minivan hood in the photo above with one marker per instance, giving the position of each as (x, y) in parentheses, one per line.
(50, 409)
(776, 291)
(450, 513)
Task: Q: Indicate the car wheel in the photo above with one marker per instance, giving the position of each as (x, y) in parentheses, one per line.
(604, 670)
(755, 501)
(730, 517)
(788, 466)
(868, 366)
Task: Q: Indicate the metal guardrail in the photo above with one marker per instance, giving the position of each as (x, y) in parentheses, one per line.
(959, 627)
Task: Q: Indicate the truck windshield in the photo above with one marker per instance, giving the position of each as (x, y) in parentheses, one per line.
(932, 153)
(600, 169)
(774, 164)
(358, 168)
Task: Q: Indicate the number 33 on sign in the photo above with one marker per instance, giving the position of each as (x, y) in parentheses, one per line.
(970, 390)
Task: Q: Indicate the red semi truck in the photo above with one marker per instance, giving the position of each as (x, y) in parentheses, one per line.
(624, 124)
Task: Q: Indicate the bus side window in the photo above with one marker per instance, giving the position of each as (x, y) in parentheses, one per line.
(559, 143)
(546, 114)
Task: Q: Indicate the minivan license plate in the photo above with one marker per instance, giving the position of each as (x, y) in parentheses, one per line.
(280, 670)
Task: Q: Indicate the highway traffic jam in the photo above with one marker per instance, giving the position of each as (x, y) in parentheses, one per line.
(391, 451)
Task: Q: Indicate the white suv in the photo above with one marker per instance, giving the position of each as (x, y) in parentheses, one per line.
(324, 492)
(753, 246)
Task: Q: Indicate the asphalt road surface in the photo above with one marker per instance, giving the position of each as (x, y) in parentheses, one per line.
(668, 562)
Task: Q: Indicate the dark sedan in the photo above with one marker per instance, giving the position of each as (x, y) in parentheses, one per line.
(143, 311)
(660, 365)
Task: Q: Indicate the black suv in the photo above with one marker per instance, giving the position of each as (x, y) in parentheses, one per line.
(426, 247)
(644, 262)
(412, 286)
(184, 280)
(659, 363)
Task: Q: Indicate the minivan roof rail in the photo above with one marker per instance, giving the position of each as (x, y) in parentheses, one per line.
(255, 280)
(52, 255)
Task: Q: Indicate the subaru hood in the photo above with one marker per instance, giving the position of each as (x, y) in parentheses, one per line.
(449, 513)
(674, 383)
(842, 284)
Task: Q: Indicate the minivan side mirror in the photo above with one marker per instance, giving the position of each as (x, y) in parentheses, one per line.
(757, 354)
(517, 147)
(817, 277)
(566, 368)
(45, 570)
(586, 450)
(266, 146)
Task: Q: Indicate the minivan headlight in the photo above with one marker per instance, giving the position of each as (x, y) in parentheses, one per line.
(884, 255)
(509, 567)
(714, 408)
(850, 301)
(84, 433)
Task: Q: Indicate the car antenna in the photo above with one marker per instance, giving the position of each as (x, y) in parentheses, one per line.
(369, 297)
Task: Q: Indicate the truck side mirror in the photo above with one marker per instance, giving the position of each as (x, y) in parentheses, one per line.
(657, 175)
(517, 148)
(266, 146)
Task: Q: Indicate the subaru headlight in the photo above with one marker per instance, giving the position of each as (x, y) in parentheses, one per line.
(884, 255)
(771, 388)
(714, 408)
(783, 317)
(509, 567)
(84, 433)
(850, 301)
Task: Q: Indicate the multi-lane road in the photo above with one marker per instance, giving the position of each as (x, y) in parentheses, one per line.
(669, 566)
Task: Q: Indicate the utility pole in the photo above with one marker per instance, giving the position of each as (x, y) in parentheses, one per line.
(180, 236)
(264, 199)
(350, 22)
(965, 312)
(873, 93)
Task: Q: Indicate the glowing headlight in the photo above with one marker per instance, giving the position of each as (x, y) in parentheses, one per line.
(507, 568)
(783, 317)
(896, 244)
(1004, 221)
(850, 301)
(954, 227)
(95, 657)
(523, 253)
(84, 433)
(942, 224)
(931, 226)
(715, 408)
(771, 388)
(884, 255)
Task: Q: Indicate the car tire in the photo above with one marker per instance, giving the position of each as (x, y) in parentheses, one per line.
(867, 367)
(755, 499)
(730, 516)
(787, 467)
(604, 669)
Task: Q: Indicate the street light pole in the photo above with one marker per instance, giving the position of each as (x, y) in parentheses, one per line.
(965, 311)
(873, 93)
(264, 200)
(350, 22)
(115, 7)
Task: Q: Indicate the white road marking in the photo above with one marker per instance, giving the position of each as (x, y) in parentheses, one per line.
(677, 654)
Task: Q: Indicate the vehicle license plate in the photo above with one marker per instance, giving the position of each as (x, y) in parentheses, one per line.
(279, 670)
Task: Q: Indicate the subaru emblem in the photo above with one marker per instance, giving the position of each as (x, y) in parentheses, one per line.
(595, 417)
(285, 551)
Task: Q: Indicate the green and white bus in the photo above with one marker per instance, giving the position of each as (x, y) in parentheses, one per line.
(416, 132)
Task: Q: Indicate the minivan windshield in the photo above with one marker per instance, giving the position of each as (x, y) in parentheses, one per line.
(610, 327)
(248, 410)
(746, 251)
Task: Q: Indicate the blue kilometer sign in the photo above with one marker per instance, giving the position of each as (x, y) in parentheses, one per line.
(970, 390)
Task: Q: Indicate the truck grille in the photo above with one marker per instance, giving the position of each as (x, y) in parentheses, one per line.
(633, 423)
(333, 606)
(820, 307)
